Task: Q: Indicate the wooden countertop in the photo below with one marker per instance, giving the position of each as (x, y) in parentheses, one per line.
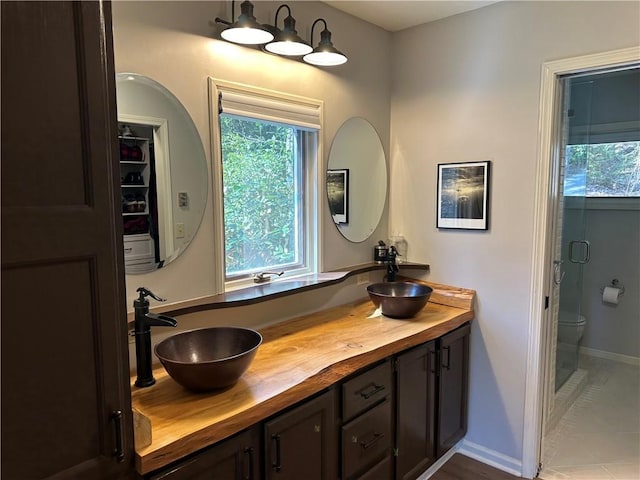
(297, 359)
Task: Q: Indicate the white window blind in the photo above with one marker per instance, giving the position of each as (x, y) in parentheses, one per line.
(261, 105)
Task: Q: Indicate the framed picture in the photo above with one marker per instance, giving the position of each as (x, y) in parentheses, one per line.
(338, 194)
(463, 195)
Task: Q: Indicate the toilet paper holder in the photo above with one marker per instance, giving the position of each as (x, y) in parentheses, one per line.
(615, 283)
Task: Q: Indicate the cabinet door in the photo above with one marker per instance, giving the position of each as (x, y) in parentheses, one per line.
(454, 387)
(415, 410)
(233, 459)
(302, 443)
(66, 405)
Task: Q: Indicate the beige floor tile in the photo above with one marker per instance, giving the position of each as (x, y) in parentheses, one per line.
(629, 471)
(599, 436)
(588, 472)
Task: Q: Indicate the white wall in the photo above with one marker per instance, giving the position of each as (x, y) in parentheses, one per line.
(173, 43)
(466, 88)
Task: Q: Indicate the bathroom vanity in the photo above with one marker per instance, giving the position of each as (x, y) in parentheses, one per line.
(329, 395)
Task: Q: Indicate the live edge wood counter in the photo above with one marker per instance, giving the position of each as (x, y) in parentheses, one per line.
(297, 359)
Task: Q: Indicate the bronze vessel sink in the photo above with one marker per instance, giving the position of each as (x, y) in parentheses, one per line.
(207, 359)
(399, 299)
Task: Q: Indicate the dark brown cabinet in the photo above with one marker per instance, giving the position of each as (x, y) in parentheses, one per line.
(66, 405)
(415, 410)
(237, 458)
(453, 388)
(302, 443)
(431, 401)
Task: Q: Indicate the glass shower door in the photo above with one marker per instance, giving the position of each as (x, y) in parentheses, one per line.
(574, 247)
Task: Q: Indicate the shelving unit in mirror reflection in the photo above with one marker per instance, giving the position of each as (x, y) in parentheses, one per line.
(138, 195)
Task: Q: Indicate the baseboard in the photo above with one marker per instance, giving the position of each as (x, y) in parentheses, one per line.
(617, 357)
(490, 457)
(429, 472)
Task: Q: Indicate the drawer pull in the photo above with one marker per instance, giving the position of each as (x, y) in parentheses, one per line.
(448, 364)
(276, 465)
(372, 392)
(248, 453)
(128, 250)
(375, 439)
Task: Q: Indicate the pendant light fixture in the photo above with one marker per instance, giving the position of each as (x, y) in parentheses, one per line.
(325, 54)
(246, 30)
(286, 41)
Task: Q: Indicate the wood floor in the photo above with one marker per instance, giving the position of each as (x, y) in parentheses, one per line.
(460, 467)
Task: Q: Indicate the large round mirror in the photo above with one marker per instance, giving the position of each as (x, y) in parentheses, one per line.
(356, 179)
(163, 173)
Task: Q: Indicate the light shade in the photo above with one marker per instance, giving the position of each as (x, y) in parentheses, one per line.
(325, 54)
(246, 30)
(287, 42)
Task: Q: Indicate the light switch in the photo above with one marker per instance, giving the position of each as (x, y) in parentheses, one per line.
(179, 230)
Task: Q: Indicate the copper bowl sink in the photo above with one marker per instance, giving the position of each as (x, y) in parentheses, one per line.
(207, 359)
(399, 299)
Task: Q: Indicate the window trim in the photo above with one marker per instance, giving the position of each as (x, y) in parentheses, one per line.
(314, 184)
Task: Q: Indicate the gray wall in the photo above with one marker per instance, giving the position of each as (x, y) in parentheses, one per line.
(615, 253)
(467, 88)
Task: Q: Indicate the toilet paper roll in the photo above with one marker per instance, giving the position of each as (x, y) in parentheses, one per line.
(611, 295)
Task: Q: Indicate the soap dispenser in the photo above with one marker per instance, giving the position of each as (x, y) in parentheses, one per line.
(380, 252)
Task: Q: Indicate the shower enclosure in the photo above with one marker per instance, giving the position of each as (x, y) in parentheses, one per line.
(600, 158)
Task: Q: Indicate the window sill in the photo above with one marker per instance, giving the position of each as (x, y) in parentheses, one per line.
(274, 289)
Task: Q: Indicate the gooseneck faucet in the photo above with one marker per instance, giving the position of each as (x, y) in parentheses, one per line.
(392, 266)
(142, 331)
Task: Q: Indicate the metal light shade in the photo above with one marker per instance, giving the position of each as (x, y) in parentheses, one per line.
(287, 42)
(246, 30)
(325, 54)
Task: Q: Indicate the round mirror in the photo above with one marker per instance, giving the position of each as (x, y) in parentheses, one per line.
(163, 173)
(356, 179)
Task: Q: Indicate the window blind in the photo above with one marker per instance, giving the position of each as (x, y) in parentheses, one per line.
(259, 105)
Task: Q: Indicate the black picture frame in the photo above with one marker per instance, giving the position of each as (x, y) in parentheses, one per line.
(463, 195)
(338, 194)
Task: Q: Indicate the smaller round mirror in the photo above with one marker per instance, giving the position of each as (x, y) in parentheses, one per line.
(163, 173)
(356, 179)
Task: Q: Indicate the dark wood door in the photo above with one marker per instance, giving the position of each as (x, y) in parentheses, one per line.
(302, 443)
(65, 368)
(453, 388)
(415, 411)
(233, 459)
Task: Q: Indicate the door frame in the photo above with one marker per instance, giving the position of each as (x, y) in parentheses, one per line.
(537, 355)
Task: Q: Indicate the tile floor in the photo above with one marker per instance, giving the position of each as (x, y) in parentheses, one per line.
(598, 438)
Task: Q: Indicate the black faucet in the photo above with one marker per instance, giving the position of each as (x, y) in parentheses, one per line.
(142, 330)
(392, 266)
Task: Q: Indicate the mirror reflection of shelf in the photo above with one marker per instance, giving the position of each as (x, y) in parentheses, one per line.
(136, 165)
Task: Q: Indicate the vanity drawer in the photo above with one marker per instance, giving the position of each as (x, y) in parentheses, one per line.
(138, 246)
(366, 440)
(383, 469)
(366, 390)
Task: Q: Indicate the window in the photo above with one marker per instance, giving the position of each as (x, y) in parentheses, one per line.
(603, 134)
(268, 146)
(603, 170)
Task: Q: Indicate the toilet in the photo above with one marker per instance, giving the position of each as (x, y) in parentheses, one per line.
(570, 327)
